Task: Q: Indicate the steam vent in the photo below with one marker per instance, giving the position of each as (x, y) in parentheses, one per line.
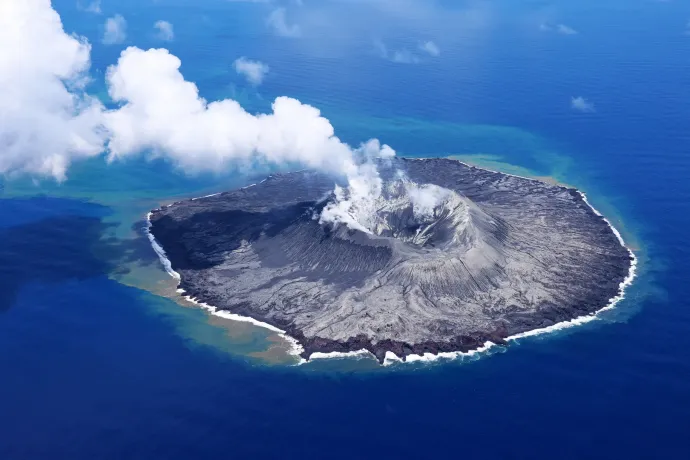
(450, 257)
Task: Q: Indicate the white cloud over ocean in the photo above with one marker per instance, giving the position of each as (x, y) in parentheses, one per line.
(581, 104)
(93, 7)
(430, 48)
(404, 55)
(399, 56)
(278, 22)
(164, 31)
(115, 30)
(558, 28)
(49, 121)
(565, 30)
(253, 71)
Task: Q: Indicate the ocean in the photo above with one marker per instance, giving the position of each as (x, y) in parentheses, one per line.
(101, 360)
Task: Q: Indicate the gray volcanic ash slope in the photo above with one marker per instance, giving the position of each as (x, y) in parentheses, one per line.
(490, 256)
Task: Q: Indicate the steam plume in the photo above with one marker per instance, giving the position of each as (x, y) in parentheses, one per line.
(48, 120)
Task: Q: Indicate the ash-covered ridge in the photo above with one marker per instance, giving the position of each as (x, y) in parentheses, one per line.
(490, 256)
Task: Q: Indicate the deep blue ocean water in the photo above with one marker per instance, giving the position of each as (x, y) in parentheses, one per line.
(93, 368)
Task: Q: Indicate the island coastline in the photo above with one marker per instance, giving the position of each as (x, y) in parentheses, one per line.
(296, 347)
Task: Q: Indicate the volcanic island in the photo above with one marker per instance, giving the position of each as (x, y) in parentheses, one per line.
(492, 256)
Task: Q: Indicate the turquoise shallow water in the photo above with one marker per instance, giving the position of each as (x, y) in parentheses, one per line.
(96, 365)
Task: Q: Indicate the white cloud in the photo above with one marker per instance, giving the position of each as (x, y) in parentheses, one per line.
(581, 104)
(93, 7)
(404, 56)
(164, 113)
(277, 21)
(115, 30)
(430, 48)
(400, 56)
(253, 71)
(459, 25)
(46, 119)
(165, 30)
(558, 28)
(565, 30)
(381, 49)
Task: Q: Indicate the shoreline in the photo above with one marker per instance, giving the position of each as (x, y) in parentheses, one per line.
(391, 358)
(295, 348)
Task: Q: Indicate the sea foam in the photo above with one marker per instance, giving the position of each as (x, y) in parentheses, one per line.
(160, 252)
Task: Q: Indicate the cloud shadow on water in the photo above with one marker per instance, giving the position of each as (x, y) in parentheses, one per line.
(50, 248)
